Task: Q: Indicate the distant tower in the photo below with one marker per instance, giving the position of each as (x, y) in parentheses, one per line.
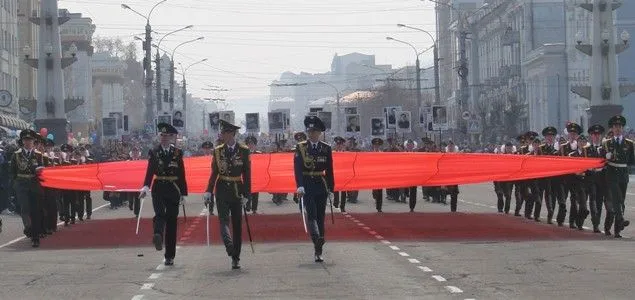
(51, 108)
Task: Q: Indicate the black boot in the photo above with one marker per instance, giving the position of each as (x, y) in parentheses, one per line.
(157, 240)
(235, 263)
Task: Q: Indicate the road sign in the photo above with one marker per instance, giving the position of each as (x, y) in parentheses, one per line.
(473, 126)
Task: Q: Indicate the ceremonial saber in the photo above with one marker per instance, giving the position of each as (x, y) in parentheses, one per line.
(302, 211)
(251, 242)
(207, 225)
(139, 215)
(184, 215)
(331, 205)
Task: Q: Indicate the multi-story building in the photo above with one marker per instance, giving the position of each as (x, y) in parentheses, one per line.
(10, 59)
(521, 62)
(626, 60)
(108, 90)
(78, 85)
(28, 36)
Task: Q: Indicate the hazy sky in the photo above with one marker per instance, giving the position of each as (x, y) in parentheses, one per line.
(249, 43)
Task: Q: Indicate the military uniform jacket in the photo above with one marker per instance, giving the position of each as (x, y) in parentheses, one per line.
(23, 165)
(233, 168)
(546, 149)
(523, 150)
(310, 164)
(623, 153)
(167, 166)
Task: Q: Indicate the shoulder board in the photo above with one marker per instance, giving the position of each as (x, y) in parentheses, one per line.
(37, 152)
(325, 144)
(587, 146)
(302, 142)
(629, 140)
(18, 151)
(220, 146)
(543, 145)
(243, 146)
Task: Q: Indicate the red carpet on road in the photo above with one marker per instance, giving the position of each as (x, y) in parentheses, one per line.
(439, 227)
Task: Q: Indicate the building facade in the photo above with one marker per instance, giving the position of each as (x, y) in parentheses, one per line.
(78, 31)
(108, 90)
(28, 36)
(10, 58)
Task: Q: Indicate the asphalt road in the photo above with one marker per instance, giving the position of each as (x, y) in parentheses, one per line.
(601, 268)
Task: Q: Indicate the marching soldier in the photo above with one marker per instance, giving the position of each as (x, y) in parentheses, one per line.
(51, 195)
(339, 198)
(252, 202)
(533, 194)
(520, 191)
(25, 164)
(229, 183)
(166, 175)
(378, 194)
(595, 180)
(313, 166)
(208, 148)
(551, 185)
(453, 190)
(298, 137)
(620, 154)
(410, 146)
(504, 190)
(571, 184)
(134, 203)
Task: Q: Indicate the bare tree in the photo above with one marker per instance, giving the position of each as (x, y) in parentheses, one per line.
(116, 47)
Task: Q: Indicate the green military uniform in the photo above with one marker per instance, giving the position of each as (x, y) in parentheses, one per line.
(24, 164)
(595, 180)
(230, 182)
(378, 194)
(551, 185)
(620, 154)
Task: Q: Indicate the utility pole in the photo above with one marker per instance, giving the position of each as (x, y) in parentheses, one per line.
(463, 72)
(184, 96)
(437, 88)
(158, 87)
(171, 86)
(147, 65)
(605, 92)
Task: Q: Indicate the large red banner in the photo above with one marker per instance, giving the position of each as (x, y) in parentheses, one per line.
(273, 173)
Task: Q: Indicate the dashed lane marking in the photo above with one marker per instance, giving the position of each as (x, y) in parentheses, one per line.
(404, 254)
(439, 278)
(394, 248)
(154, 276)
(385, 242)
(137, 297)
(413, 261)
(453, 290)
(147, 286)
(425, 269)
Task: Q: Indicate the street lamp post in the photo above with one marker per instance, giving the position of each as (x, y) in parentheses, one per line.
(418, 68)
(184, 94)
(435, 49)
(172, 69)
(158, 66)
(337, 104)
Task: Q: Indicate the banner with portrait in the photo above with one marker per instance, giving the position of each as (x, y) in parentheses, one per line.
(439, 117)
(404, 122)
(425, 117)
(352, 124)
(228, 116)
(178, 120)
(252, 122)
(214, 121)
(378, 127)
(276, 121)
(351, 110)
(391, 116)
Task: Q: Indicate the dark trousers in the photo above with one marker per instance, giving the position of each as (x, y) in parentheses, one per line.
(134, 202)
(339, 199)
(50, 201)
(597, 189)
(253, 205)
(617, 179)
(453, 190)
(28, 195)
(315, 206)
(166, 211)
(378, 195)
(228, 204)
(69, 205)
(412, 197)
(533, 195)
(504, 190)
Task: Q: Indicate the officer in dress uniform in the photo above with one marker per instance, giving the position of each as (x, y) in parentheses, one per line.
(252, 203)
(595, 179)
(25, 165)
(166, 175)
(378, 194)
(230, 183)
(313, 168)
(620, 154)
(411, 146)
(298, 137)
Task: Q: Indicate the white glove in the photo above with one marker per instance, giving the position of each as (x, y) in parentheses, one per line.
(609, 155)
(144, 191)
(207, 198)
(182, 199)
(574, 145)
(300, 191)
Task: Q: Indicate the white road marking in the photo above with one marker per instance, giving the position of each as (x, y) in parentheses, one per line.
(137, 297)
(160, 267)
(147, 286)
(414, 261)
(379, 237)
(154, 276)
(404, 254)
(366, 228)
(361, 224)
(58, 224)
(453, 290)
(373, 233)
(425, 269)
(630, 194)
(356, 221)
(385, 242)
(394, 248)
(439, 278)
